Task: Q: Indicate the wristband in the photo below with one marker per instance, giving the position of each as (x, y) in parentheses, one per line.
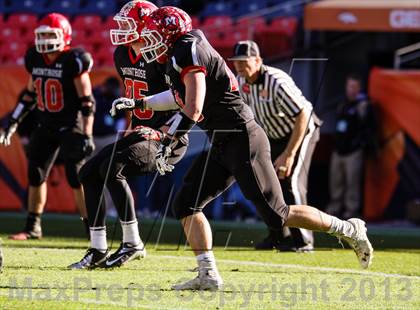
(179, 124)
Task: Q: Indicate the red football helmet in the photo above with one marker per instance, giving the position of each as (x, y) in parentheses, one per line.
(53, 33)
(163, 28)
(131, 20)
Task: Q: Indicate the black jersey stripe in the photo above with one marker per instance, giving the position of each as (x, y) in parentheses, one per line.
(275, 101)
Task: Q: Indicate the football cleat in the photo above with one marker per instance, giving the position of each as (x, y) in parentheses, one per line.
(207, 280)
(125, 253)
(92, 259)
(360, 242)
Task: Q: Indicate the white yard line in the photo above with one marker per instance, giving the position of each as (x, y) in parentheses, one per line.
(274, 265)
(298, 267)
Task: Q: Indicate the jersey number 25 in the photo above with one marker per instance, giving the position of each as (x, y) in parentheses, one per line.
(133, 89)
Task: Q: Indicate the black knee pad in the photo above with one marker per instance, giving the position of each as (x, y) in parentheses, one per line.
(36, 175)
(72, 174)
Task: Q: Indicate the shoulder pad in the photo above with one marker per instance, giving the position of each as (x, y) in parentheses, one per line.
(80, 61)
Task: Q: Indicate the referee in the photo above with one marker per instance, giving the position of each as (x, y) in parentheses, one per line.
(292, 128)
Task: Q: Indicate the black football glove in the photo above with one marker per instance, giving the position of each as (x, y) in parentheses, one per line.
(88, 145)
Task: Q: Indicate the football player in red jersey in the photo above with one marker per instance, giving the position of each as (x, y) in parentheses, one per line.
(240, 148)
(59, 87)
(132, 155)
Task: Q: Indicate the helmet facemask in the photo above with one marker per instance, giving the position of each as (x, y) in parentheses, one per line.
(154, 47)
(127, 31)
(48, 39)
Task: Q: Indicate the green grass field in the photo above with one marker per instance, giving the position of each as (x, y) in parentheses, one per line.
(35, 277)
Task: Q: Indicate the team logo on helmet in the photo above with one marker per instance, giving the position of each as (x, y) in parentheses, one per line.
(164, 26)
(131, 20)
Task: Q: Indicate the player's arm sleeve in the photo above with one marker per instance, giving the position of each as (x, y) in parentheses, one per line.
(189, 57)
(163, 101)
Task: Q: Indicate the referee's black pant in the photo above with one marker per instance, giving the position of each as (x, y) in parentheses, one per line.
(295, 186)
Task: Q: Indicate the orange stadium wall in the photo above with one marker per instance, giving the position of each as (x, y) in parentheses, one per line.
(13, 163)
(396, 95)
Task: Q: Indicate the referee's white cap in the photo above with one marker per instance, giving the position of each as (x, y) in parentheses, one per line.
(245, 49)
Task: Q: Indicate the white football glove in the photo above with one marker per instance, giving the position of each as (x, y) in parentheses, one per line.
(162, 157)
(121, 104)
(6, 135)
(145, 131)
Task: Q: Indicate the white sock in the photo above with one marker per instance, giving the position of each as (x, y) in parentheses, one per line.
(131, 232)
(206, 260)
(340, 227)
(98, 238)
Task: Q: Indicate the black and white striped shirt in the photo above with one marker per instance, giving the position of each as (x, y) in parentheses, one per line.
(275, 100)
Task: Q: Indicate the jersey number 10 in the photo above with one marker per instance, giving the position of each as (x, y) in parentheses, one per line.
(133, 89)
(52, 96)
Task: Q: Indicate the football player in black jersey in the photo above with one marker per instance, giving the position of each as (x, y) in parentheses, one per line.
(59, 87)
(135, 153)
(240, 149)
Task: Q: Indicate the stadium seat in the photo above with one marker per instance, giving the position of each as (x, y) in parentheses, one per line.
(24, 22)
(86, 45)
(224, 45)
(68, 7)
(25, 6)
(79, 37)
(87, 23)
(105, 56)
(28, 38)
(1, 21)
(101, 38)
(196, 23)
(99, 7)
(217, 8)
(9, 34)
(13, 53)
(284, 25)
(215, 27)
(110, 23)
(246, 7)
(251, 26)
(257, 23)
(218, 21)
(278, 38)
(285, 9)
(240, 34)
